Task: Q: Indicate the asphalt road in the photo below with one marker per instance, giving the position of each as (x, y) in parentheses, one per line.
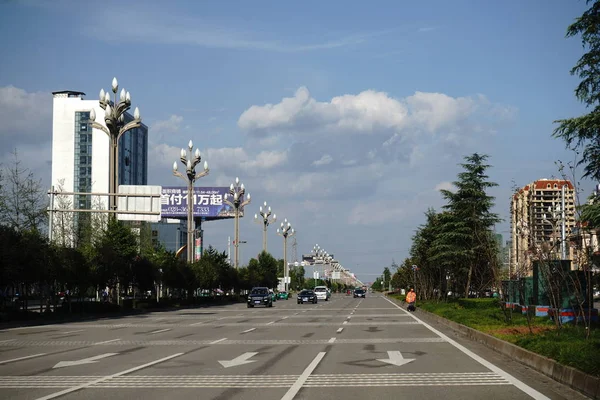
(345, 348)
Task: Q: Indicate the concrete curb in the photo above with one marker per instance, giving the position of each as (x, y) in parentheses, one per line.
(582, 382)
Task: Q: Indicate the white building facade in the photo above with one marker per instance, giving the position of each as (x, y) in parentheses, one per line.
(80, 154)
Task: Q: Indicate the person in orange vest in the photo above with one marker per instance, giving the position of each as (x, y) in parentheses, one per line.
(411, 297)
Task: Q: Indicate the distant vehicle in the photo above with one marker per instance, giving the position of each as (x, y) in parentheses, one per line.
(307, 296)
(260, 296)
(322, 293)
(360, 293)
(283, 295)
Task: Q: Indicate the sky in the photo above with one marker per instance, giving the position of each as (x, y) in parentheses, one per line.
(346, 117)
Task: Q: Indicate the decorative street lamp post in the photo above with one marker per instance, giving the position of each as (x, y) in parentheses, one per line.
(116, 126)
(286, 231)
(237, 192)
(266, 220)
(190, 177)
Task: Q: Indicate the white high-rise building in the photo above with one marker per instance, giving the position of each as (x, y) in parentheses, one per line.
(80, 154)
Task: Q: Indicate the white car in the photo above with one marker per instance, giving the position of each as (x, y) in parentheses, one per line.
(322, 293)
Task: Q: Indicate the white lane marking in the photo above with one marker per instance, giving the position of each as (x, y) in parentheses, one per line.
(197, 323)
(270, 323)
(340, 330)
(105, 378)
(21, 358)
(286, 317)
(248, 330)
(331, 340)
(77, 331)
(293, 391)
(218, 341)
(527, 389)
(108, 341)
(344, 323)
(349, 316)
(159, 331)
(8, 340)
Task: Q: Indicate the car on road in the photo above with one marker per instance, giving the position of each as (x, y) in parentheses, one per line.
(360, 293)
(273, 295)
(322, 293)
(283, 295)
(307, 296)
(260, 296)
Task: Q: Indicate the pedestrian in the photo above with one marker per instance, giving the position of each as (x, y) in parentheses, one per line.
(411, 297)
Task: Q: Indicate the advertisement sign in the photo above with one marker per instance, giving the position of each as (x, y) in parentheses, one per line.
(207, 202)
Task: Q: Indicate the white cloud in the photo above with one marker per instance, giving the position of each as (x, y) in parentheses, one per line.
(168, 26)
(444, 186)
(367, 113)
(170, 125)
(326, 159)
(26, 116)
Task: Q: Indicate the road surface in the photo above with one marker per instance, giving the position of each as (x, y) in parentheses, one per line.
(346, 348)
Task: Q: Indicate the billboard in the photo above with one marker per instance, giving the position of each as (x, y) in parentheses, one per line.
(207, 202)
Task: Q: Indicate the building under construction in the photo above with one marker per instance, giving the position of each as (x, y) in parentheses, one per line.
(542, 218)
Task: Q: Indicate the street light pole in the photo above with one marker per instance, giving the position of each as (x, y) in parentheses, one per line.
(236, 192)
(285, 231)
(190, 177)
(266, 220)
(114, 118)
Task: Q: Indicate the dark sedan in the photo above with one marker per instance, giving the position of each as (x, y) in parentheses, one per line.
(260, 296)
(360, 293)
(307, 296)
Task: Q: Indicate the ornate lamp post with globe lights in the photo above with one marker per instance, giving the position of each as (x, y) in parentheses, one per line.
(265, 221)
(236, 192)
(285, 231)
(116, 126)
(190, 176)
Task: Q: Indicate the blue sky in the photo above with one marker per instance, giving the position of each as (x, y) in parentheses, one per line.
(346, 117)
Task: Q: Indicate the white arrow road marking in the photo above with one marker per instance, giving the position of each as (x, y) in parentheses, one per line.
(395, 358)
(21, 358)
(240, 360)
(88, 360)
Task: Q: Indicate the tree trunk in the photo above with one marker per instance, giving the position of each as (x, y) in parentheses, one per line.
(468, 281)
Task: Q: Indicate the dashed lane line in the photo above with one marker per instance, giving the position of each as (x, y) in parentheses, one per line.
(2, 362)
(295, 388)
(160, 331)
(105, 378)
(340, 330)
(248, 330)
(192, 343)
(108, 341)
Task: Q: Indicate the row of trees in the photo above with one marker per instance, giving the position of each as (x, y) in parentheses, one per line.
(454, 251)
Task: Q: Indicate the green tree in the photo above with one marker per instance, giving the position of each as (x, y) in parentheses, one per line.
(115, 253)
(466, 228)
(583, 132)
(387, 278)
